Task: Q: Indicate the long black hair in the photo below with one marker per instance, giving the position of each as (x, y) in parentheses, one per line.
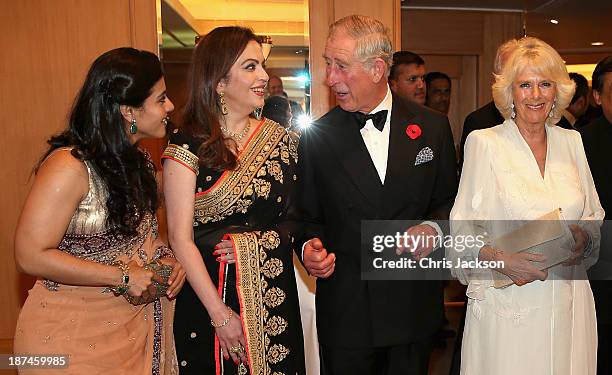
(97, 131)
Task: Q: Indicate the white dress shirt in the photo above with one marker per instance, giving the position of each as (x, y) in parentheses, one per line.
(376, 141)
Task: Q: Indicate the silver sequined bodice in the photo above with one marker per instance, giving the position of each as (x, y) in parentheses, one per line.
(91, 214)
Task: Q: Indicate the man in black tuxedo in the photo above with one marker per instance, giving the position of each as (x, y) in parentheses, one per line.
(395, 163)
(596, 137)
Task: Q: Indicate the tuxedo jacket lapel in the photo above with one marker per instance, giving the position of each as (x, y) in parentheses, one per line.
(402, 154)
(355, 158)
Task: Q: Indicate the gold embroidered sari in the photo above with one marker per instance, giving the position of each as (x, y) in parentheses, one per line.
(251, 206)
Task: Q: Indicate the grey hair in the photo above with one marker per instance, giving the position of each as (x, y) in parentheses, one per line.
(542, 58)
(371, 37)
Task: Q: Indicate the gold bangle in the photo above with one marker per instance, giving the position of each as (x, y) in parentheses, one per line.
(225, 321)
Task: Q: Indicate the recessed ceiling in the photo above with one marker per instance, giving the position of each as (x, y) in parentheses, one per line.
(285, 21)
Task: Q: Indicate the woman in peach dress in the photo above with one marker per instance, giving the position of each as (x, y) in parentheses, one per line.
(88, 231)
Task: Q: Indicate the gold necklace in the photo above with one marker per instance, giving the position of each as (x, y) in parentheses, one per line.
(236, 136)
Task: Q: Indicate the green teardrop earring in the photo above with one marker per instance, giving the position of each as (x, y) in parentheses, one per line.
(133, 127)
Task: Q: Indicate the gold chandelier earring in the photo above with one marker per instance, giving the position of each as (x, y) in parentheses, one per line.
(223, 105)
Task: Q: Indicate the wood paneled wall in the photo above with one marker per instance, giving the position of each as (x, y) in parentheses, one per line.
(462, 33)
(322, 14)
(462, 70)
(47, 48)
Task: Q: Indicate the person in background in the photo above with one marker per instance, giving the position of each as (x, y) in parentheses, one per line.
(488, 115)
(438, 89)
(544, 323)
(277, 109)
(276, 88)
(407, 77)
(596, 137)
(573, 115)
(88, 230)
(228, 183)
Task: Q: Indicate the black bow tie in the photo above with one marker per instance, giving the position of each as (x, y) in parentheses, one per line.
(378, 119)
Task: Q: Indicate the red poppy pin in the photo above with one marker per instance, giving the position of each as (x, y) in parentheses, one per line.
(413, 131)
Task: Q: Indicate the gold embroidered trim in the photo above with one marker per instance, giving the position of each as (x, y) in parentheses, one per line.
(272, 268)
(270, 240)
(274, 297)
(250, 291)
(277, 353)
(276, 325)
(183, 156)
(254, 271)
(275, 170)
(233, 192)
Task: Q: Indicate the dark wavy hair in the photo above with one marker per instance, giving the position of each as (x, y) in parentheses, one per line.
(97, 132)
(277, 108)
(212, 60)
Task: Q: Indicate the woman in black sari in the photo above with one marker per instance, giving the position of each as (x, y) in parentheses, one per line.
(228, 179)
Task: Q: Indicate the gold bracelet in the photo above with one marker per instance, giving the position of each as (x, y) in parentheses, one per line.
(122, 288)
(225, 321)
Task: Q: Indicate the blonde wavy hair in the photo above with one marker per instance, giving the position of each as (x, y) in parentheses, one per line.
(371, 37)
(543, 59)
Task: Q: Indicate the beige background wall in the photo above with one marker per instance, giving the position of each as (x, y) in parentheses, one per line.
(47, 48)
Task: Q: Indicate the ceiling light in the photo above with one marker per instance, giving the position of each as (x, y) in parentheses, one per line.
(554, 21)
(597, 43)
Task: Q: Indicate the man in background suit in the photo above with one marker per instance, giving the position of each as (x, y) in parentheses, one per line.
(573, 115)
(395, 163)
(488, 115)
(407, 77)
(438, 88)
(596, 138)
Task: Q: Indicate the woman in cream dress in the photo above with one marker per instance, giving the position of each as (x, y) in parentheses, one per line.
(522, 170)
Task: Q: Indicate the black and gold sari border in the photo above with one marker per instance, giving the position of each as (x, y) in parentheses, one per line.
(182, 156)
(228, 192)
(250, 295)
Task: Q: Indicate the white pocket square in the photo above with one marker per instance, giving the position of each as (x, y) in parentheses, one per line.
(424, 156)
